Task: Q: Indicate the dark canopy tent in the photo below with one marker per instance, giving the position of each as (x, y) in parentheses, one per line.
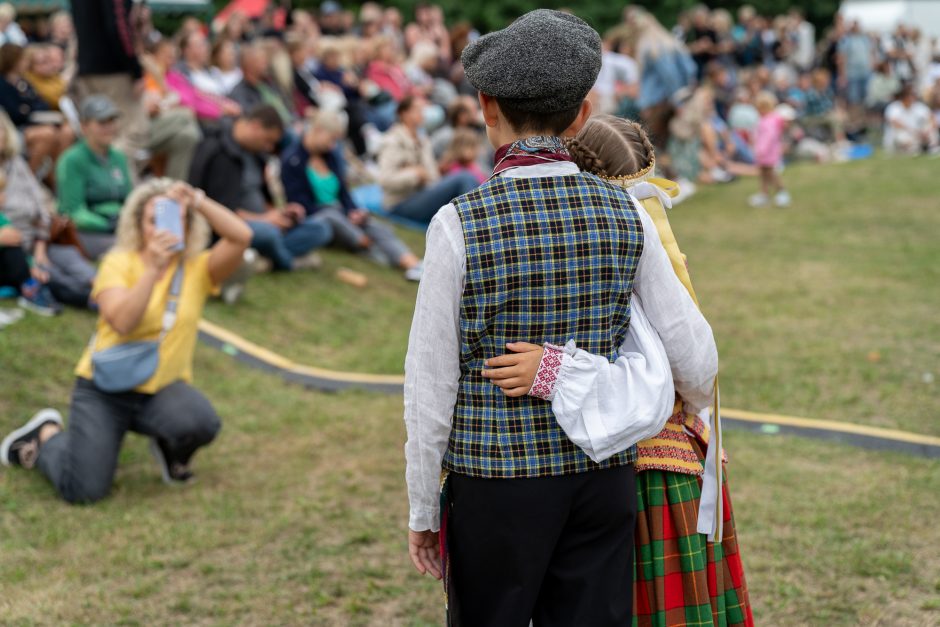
(159, 6)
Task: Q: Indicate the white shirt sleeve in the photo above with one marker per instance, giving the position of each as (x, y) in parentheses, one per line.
(432, 367)
(612, 406)
(683, 330)
(606, 408)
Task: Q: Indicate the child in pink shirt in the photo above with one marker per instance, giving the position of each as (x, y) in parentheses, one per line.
(463, 155)
(768, 152)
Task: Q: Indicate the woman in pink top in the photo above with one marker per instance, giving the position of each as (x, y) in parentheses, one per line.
(768, 152)
(386, 72)
(206, 106)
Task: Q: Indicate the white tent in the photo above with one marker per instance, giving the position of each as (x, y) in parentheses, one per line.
(882, 16)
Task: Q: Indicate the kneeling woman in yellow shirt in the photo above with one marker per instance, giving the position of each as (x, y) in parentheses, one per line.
(143, 281)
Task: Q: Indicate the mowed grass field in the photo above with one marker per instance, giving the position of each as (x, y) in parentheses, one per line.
(826, 309)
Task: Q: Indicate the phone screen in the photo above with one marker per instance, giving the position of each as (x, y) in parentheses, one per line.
(167, 217)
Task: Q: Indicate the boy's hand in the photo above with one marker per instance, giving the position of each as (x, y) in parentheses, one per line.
(425, 550)
(515, 372)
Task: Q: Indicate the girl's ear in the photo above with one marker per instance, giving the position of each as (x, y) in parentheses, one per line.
(583, 114)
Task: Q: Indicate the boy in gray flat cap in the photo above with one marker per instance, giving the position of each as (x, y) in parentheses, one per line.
(529, 527)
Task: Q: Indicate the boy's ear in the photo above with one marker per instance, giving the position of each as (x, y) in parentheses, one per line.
(490, 109)
(583, 114)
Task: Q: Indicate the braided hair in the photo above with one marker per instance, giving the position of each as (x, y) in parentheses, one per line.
(609, 146)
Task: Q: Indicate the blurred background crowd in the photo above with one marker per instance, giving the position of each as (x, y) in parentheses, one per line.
(321, 126)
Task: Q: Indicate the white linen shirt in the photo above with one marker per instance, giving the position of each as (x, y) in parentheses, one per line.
(432, 365)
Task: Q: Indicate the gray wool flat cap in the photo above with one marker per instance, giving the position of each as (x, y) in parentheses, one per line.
(544, 62)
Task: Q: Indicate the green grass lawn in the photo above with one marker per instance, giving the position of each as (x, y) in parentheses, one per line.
(299, 513)
(827, 309)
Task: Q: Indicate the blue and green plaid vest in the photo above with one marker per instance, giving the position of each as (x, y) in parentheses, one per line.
(548, 260)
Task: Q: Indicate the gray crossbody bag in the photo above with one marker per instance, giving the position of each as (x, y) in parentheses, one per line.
(123, 367)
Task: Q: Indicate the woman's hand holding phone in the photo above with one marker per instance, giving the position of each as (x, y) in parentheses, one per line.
(160, 251)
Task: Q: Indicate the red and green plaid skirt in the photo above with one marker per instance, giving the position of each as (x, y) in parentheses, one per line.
(680, 578)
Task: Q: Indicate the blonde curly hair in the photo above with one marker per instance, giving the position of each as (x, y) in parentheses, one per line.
(129, 236)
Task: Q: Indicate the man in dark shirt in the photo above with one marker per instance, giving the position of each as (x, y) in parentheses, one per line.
(108, 33)
(230, 166)
(702, 40)
(254, 88)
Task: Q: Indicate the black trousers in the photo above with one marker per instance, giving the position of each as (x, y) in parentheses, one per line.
(14, 269)
(555, 550)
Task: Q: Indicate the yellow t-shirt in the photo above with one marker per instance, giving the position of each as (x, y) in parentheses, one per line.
(124, 269)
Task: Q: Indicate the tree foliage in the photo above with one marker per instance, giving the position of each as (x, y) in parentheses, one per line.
(489, 15)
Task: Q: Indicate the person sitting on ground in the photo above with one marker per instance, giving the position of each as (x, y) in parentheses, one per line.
(60, 266)
(138, 283)
(463, 155)
(420, 66)
(823, 118)
(207, 107)
(307, 92)
(229, 164)
(194, 50)
(463, 112)
(332, 73)
(15, 271)
(385, 70)
(882, 88)
(225, 68)
(45, 138)
(313, 179)
(62, 33)
(910, 127)
(254, 89)
(10, 31)
(408, 174)
(45, 72)
(174, 129)
(93, 177)
(743, 115)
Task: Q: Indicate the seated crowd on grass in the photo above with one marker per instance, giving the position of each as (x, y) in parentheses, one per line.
(308, 124)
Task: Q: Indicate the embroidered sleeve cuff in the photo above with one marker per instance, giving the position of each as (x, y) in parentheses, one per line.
(548, 374)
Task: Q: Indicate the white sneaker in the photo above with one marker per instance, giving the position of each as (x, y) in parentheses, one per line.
(721, 175)
(686, 190)
(782, 198)
(310, 261)
(758, 200)
(234, 286)
(10, 316)
(259, 264)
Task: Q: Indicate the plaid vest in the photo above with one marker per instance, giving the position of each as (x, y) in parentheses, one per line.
(548, 260)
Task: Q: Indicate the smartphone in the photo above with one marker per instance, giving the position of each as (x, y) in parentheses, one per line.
(168, 216)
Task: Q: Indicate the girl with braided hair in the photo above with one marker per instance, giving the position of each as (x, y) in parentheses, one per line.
(688, 568)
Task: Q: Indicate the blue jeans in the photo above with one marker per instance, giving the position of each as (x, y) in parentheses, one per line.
(422, 206)
(282, 246)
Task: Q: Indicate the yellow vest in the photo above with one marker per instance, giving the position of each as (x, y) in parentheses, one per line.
(670, 450)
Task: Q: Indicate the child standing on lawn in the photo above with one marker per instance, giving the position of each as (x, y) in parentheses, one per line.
(768, 152)
(529, 527)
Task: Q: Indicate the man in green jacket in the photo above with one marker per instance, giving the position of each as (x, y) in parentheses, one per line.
(92, 177)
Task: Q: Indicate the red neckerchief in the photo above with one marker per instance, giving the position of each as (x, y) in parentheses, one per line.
(531, 151)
